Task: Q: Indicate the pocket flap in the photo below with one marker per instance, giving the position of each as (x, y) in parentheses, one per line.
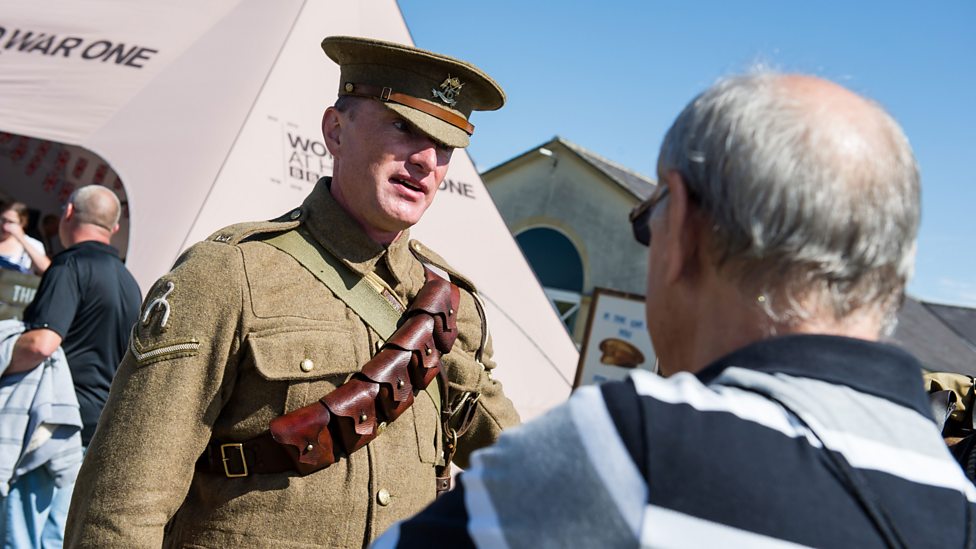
(304, 353)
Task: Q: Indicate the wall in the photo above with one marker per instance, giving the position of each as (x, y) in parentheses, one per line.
(564, 192)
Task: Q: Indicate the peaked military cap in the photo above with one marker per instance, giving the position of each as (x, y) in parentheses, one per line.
(434, 92)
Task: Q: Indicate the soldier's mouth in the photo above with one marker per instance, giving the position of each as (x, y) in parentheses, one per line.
(408, 184)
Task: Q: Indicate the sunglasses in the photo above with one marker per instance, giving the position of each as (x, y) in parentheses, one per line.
(640, 217)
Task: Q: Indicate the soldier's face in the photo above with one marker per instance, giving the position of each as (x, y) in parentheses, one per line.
(386, 172)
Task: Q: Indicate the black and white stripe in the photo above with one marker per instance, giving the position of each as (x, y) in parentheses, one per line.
(743, 455)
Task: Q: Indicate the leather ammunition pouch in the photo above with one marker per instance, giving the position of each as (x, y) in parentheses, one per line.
(349, 417)
(315, 436)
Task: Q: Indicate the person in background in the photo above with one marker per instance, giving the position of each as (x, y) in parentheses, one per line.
(18, 251)
(49, 235)
(784, 228)
(86, 304)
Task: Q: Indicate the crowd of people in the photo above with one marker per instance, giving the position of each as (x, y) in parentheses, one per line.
(308, 381)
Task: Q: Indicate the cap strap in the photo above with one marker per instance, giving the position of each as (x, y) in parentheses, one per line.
(387, 94)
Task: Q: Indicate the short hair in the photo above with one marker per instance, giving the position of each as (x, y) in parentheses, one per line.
(96, 205)
(17, 207)
(794, 217)
(347, 103)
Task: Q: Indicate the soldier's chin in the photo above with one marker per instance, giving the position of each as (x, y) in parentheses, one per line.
(409, 216)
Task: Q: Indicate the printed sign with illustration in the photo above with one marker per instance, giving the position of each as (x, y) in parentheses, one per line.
(616, 339)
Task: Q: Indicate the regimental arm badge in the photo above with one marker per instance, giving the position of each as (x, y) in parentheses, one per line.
(161, 305)
(450, 88)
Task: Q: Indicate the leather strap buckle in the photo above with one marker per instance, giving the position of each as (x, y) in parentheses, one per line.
(224, 459)
(387, 94)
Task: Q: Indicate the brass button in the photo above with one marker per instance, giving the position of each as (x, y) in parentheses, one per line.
(380, 428)
(309, 448)
(307, 365)
(363, 417)
(295, 214)
(399, 383)
(349, 87)
(383, 497)
(450, 312)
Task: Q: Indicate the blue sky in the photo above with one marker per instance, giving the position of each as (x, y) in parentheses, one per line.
(611, 76)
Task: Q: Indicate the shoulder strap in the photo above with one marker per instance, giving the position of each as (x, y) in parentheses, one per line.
(352, 289)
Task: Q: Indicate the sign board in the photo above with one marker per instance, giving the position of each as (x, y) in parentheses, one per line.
(17, 290)
(616, 340)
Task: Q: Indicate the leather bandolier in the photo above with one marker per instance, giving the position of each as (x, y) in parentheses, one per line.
(351, 416)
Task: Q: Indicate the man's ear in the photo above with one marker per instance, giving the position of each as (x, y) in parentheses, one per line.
(682, 238)
(332, 130)
(69, 211)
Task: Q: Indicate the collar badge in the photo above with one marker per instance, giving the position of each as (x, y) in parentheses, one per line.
(450, 88)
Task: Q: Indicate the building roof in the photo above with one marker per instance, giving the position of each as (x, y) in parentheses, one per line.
(962, 320)
(638, 185)
(934, 342)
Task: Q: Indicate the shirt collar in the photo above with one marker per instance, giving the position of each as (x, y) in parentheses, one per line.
(332, 227)
(873, 368)
(107, 248)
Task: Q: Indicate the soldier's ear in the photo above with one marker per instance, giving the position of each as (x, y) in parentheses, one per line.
(332, 130)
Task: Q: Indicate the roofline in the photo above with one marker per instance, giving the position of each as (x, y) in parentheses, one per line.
(529, 151)
(569, 144)
(576, 150)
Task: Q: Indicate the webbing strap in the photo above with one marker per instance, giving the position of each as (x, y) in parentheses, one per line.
(351, 288)
(348, 286)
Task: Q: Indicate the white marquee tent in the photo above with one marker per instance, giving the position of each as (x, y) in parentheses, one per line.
(202, 114)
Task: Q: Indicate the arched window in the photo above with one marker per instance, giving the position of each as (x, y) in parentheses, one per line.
(558, 266)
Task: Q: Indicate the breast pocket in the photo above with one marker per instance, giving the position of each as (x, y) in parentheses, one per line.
(310, 360)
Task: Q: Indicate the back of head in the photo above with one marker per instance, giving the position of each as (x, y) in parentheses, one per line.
(96, 205)
(811, 190)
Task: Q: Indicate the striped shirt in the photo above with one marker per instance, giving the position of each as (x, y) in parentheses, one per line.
(743, 454)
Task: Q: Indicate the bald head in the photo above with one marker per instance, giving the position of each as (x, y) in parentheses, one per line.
(842, 126)
(96, 205)
(812, 192)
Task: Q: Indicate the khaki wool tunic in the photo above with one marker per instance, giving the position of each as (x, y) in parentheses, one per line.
(235, 335)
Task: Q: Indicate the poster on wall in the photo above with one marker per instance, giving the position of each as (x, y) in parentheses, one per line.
(616, 340)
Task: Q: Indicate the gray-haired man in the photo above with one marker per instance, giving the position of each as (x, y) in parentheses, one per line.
(784, 232)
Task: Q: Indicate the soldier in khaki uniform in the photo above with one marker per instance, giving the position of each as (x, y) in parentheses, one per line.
(240, 332)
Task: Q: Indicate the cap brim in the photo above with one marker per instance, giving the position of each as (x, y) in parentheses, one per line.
(436, 129)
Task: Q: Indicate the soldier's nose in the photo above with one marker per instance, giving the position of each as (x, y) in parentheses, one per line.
(425, 158)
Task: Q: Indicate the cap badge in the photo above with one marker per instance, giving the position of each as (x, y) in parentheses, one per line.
(450, 88)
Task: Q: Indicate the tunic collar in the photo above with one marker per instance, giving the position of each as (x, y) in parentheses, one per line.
(332, 227)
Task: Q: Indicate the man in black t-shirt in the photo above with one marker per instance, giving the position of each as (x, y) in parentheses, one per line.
(87, 303)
